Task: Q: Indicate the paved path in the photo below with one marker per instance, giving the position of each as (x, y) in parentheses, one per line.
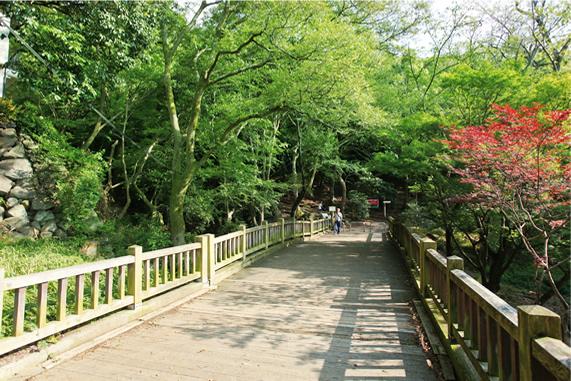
(335, 308)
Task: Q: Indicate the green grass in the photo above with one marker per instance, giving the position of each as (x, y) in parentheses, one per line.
(25, 256)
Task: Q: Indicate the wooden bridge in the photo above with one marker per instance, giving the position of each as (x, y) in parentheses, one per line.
(330, 307)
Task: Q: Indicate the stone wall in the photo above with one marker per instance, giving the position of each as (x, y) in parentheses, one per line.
(25, 209)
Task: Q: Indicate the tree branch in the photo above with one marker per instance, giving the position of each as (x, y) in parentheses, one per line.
(240, 71)
(230, 52)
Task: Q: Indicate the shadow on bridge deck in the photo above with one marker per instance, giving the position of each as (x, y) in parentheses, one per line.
(335, 308)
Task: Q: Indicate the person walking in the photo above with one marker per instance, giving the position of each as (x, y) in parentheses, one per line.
(338, 221)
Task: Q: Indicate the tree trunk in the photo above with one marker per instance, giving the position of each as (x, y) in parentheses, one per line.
(311, 181)
(494, 278)
(176, 213)
(332, 191)
(448, 234)
(297, 201)
(303, 191)
(178, 183)
(294, 172)
(343, 193)
(100, 124)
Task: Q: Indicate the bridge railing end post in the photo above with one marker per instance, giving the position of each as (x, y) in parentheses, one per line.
(533, 322)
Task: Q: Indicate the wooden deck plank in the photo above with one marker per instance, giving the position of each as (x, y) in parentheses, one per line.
(333, 308)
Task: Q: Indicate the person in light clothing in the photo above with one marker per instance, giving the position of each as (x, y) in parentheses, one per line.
(338, 221)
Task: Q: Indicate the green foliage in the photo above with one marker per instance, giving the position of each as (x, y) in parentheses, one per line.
(79, 196)
(416, 215)
(7, 111)
(77, 177)
(25, 256)
(357, 207)
(85, 45)
(473, 89)
(228, 227)
(115, 235)
(409, 148)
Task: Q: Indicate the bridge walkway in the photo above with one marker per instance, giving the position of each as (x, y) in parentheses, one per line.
(333, 308)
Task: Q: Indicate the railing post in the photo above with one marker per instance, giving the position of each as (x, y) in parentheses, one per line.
(267, 234)
(425, 244)
(282, 221)
(294, 227)
(135, 276)
(243, 242)
(311, 226)
(534, 322)
(452, 263)
(211, 259)
(203, 240)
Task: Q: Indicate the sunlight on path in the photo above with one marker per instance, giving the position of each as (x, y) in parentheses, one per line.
(335, 308)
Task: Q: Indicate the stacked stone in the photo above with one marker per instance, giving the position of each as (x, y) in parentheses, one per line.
(23, 212)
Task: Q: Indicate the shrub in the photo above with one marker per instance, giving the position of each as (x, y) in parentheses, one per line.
(357, 207)
(228, 227)
(120, 234)
(416, 215)
(7, 111)
(77, 176)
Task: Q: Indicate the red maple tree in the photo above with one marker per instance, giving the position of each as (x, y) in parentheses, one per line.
(519, 163)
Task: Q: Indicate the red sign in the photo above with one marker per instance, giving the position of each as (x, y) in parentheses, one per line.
(373, 202)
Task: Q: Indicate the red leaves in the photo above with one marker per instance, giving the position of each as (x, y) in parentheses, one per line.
(519, 160)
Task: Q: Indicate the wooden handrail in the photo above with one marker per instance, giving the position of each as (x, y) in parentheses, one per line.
(553, 358)
(497, 342)
(131, 279)
(170, 250)
(65, 272)
(501, 311)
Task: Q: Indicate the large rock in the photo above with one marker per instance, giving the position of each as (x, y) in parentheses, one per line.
(11, 202)
(38, 204)
(49, 227)
(17, 211)
(12, 223)
(43, 216)
(16, 168)
(28, 142)
(5, 185)
(22, 192)
(29, 231)
(8, 141)
(17, 152)
(46, 234)
(8, 132)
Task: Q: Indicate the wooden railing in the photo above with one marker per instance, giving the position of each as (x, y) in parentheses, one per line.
(168, 268)
(53, 301)
(500, 341)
